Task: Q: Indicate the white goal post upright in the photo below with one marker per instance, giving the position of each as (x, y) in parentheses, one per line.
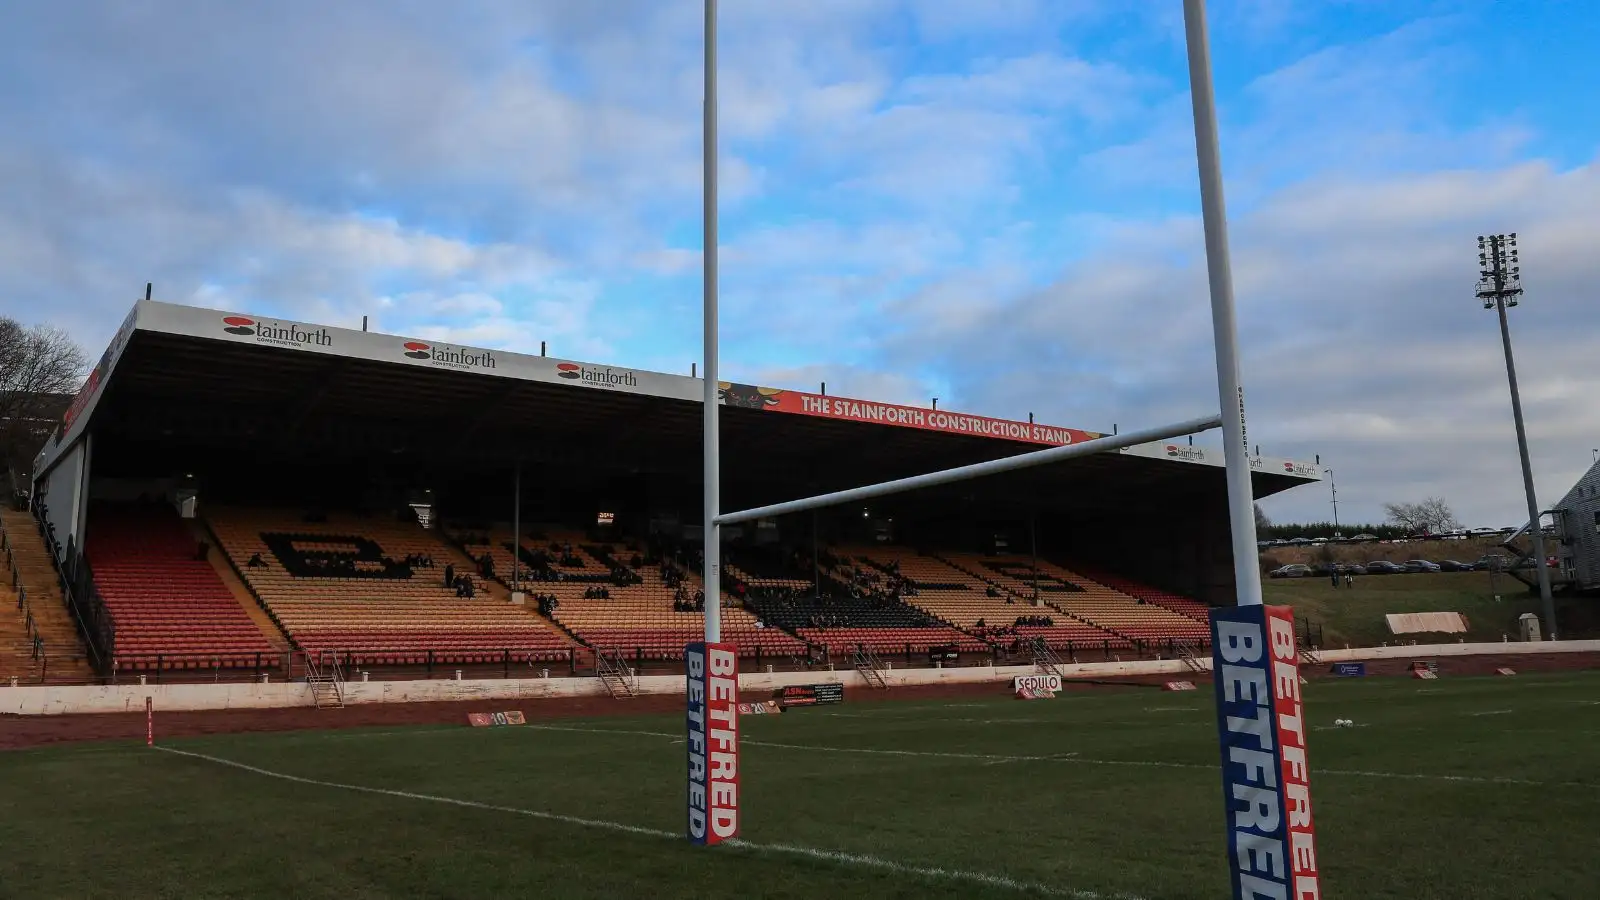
(1224, 326)
(711, 572)
(1254, 655)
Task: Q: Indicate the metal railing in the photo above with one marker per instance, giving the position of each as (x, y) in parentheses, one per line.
(95, 623)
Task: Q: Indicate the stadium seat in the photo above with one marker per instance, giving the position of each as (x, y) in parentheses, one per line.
(171, 608)
(947, 590)
(637, 620)
(378, 609)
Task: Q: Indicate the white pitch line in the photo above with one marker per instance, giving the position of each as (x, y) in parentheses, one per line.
(1135, 763)
(1492, 712)
(664, 734)
(933, 754)
(1003, 720)
(933, 873)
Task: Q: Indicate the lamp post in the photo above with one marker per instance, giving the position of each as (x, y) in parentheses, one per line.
(1500, 287)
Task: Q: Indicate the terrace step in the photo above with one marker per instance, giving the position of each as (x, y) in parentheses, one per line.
(29, 568)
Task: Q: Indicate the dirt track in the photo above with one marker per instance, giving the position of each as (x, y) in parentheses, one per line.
(32, 731)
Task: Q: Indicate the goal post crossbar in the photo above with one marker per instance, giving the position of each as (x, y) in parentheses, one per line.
(1107, 443)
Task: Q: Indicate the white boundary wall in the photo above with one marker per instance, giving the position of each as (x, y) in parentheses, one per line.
(65, 699)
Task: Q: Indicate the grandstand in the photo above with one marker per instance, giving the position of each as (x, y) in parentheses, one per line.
(320, 463)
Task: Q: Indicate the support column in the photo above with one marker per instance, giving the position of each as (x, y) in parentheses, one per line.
(516, 532)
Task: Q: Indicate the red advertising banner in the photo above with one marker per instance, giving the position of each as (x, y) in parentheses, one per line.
(803, 404)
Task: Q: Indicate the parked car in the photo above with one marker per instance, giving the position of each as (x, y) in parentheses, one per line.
(1493, 562)
(1294, 570)
(1353, 569)
(1365, 537)
(1421, 565)
(1485, 532)
(1384, 567)
(1450, 565)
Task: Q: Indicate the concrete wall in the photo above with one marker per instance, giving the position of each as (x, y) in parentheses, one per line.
(60, 700)
(61, 491)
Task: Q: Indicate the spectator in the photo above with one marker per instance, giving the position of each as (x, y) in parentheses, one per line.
(256, 561)
(449, 574)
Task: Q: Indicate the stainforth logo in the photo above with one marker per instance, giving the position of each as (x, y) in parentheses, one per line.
(266, 331)
(1192, 454)
(449, 357)
(607, 377)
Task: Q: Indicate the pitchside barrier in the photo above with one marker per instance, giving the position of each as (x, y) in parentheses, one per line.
(1265, 784)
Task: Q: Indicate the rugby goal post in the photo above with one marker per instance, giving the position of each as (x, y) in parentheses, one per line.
(1261, 730)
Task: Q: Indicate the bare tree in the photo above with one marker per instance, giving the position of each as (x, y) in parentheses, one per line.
(1430, 516)
(39, 368)
(1261, 519)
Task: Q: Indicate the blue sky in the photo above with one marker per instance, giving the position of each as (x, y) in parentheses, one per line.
(993, 203)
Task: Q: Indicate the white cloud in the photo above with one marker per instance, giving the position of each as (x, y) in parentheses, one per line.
(920, 197)
(1362, 340)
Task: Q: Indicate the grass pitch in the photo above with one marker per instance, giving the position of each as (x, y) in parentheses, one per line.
(1469, 788)
(1354, 616)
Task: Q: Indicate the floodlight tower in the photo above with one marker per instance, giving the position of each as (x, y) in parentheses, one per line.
(1334, 488)
(1500, 287)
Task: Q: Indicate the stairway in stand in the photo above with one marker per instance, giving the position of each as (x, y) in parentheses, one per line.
(1045, 659)
(65, 661)
(1190, 655)
(325, 677)
(615, 675)
(871, 668)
